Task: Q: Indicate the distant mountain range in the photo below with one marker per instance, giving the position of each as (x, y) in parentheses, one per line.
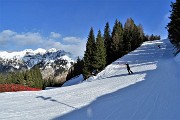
(53, 63)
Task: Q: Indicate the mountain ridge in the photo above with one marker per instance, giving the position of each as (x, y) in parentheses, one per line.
(52, 62)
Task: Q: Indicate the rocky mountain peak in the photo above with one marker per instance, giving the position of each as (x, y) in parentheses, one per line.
(52, 62)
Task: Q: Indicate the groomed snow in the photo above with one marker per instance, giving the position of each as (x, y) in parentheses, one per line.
(151, 93)
(76, 80)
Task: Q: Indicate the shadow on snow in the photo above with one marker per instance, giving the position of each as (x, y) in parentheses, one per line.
(53, 100)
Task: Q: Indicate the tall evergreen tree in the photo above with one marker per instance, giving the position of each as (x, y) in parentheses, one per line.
(1, 79)
(141, 34)
(70, 74)
(78, 67)
(116, 46)
(137, 36)
(151, 38)
(29, 78)
(127, 36)
(14, 77)
(100, 53)
(159, 37)
(107, 42)
(19, 78)
(37, 77)
(146, 38)
(173, 26)
(89, 54)
(9, 78)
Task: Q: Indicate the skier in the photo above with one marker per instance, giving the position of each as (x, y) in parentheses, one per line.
(159, 46)
(128, 69)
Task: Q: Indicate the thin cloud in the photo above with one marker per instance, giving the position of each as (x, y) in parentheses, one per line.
(5, 36)
(13, 41)
(72, 40)
(55, 35)
(77, 49)
(28, 39)
(166, 17)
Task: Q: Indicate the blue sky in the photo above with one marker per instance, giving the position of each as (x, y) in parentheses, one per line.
(65, 24)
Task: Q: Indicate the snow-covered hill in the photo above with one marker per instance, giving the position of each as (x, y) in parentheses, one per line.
(151, 93)
(76, 80)
(51, 61)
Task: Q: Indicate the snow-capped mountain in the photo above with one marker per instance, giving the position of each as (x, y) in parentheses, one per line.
(52, 62)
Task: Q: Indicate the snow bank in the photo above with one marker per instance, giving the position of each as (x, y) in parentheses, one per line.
(74, 81)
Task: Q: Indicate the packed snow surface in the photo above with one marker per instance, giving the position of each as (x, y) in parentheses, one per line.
(76, 80)
(151, 93)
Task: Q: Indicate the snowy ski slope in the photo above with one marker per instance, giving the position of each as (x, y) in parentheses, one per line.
(151, 93)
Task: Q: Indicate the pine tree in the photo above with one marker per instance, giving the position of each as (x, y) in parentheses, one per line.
(70, 74)
(173, 26)
(135, 38)
(107, 42)
(116, 46)
(100, 53)
(78, 67)
(159, 37)
(151, 38)
(40, 79)
(1, 79)
(146, 38)
(20, 78)
(14, 77)
(141, 34)
(29, 78)
(9, 78)
(128, 35)
(89, 54)
(37, 77)
(138, 36)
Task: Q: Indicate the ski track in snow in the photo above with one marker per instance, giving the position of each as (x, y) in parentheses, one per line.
(152, 92)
